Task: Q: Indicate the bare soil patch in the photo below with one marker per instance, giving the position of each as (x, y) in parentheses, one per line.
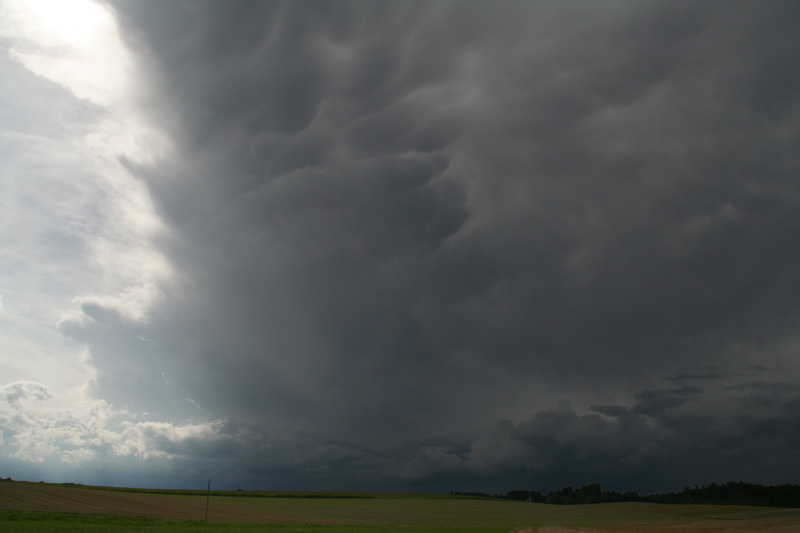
(20, 496)
(400, 512)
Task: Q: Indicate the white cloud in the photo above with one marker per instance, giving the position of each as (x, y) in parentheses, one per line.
(73, 43)
(34, 428)
(78, 228)
(19, 392)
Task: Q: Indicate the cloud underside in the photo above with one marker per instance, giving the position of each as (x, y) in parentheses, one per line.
(647, 447)
(394, 226)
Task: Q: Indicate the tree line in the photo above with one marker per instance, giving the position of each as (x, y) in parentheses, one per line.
(731, 493)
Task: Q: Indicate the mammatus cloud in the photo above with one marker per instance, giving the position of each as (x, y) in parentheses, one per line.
(458, 245)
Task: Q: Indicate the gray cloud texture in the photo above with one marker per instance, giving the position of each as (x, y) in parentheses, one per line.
(404, 234)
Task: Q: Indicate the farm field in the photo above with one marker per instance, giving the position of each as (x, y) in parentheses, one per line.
(46, 507)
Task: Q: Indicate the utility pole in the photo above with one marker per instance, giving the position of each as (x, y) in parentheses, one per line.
(208, 495)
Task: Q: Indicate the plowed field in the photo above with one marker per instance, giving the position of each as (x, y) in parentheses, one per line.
(399, 513)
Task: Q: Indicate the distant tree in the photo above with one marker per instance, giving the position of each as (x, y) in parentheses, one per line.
(589, 494)
(521, 495)
(731, 492)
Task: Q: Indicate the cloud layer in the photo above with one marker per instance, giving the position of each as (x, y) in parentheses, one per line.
(459, 245)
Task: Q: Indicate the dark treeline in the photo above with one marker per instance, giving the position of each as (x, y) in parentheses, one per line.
(732, 493)
(592, 493)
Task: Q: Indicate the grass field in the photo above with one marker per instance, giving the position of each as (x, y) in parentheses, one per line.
(45, 507)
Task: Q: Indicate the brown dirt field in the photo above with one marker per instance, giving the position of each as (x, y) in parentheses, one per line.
(19, 496)
(626, 518)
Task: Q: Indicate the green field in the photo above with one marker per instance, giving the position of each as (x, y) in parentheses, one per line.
(46, 507)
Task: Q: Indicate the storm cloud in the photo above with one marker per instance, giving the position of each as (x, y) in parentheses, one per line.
(467, 245)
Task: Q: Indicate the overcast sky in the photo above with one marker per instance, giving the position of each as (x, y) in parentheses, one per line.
(400, 245)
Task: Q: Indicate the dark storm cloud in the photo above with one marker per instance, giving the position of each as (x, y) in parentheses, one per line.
(640, 448)
(710, 373)
(653, 401)
(650, 402)
(393, 225)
